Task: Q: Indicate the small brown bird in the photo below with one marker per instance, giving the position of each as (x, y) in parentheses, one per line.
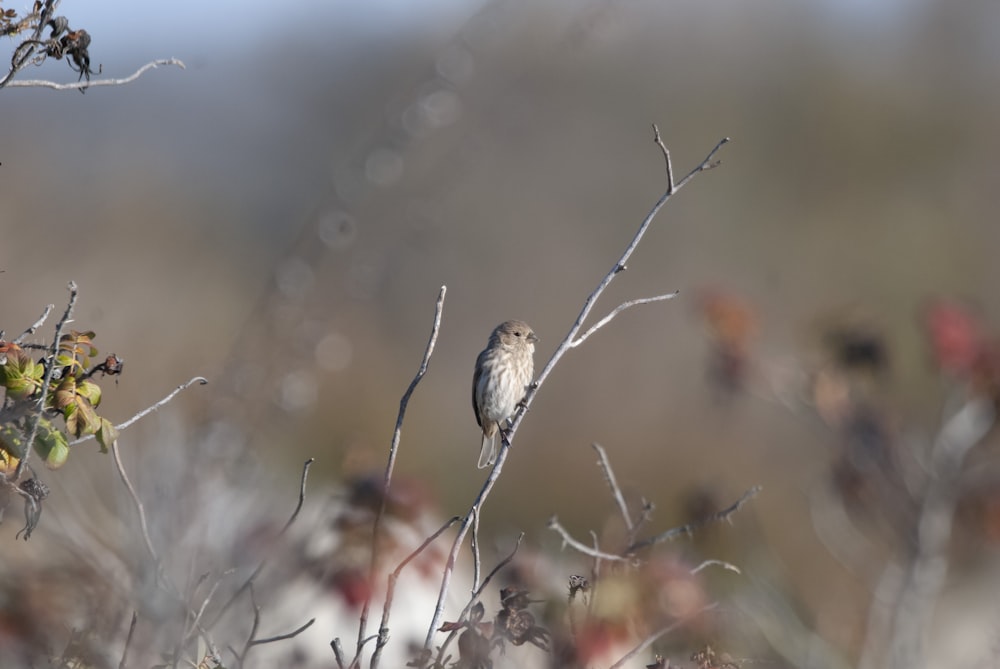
(504, 370)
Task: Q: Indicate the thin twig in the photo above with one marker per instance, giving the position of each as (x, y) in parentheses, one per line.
(338, 653)
(161, 576)
(43, 17)
(648, 641)
(82, 85)
(282, 637)
(493, 572)
(383, 631)
(568, 341)
(555, 525)
(128, 640)
(476, 594)
(204, 604)
(728, 566)
(37, 324)
(596, 573)
(474, 545)
(456, 545)
(390, 465)
(49, 371)
(609, 478)
(561, 349)
(253, 628)
(617, 310)
(666, 158)
(690, 528)
(260, 566)
(148, 410)
(143, 525)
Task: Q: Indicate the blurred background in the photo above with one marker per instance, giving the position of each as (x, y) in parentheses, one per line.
(279, 217)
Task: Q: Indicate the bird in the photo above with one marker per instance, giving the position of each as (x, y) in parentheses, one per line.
(504, 370)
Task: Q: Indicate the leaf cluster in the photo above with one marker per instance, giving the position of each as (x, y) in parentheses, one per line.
(72, 395)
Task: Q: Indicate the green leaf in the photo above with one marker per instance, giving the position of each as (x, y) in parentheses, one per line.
(51, 445)
(87, 420)
(65, 395)
(106, 435)
(90, 391)
(21, 376)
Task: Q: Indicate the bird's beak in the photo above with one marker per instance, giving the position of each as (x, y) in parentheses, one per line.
(533, 338)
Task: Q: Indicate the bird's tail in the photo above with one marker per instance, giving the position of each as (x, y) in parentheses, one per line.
(488, 455)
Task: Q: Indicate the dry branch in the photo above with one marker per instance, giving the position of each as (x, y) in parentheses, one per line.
(568, 342)
(83, 85)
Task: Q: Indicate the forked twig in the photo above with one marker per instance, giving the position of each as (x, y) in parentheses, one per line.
(252, 640)
(581, 547)
(383, 629)
(476, 594)
(617, 310)
(37, 324)
(161, 576)
(150, 409)
(390, 465)
(567, 343)
(260, 566)
(49, 371)
(690, 528)
(616, 492)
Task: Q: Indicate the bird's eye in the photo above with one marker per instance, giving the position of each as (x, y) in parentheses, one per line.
(517, 333)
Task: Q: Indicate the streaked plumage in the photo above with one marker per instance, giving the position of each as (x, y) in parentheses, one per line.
(504, 370)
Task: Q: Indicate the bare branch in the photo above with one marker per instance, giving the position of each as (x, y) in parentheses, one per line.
(728, 566)
(204, 604)
(456, 545)
(282, 637)
(160, 574)
(49, 371)
(566, 344)
(692, 527)
(476, 594)
(383, 631)
(338, 653)
(241, 656)
(83, 85)
(476, 564)
(609, 477)
(140, 509)
(390, 465)
(148, 410)
(260, 566)
(707, 164)
(37, 324)
(554, 524)
(128, 640)
(493, 572)
(617, 310)
(568, 341)
(666, 158)
(648, 641)
(595, 572)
